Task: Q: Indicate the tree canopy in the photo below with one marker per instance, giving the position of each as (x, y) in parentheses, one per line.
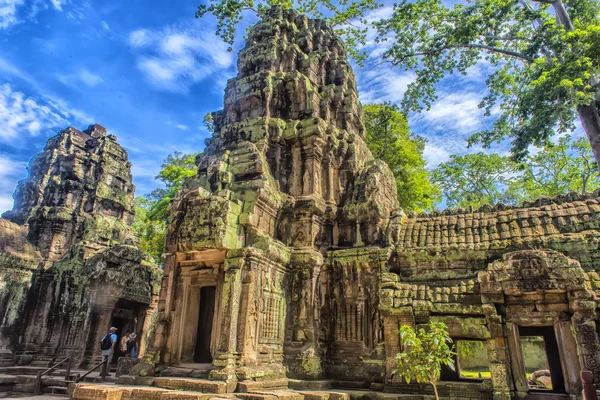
(348, 17)
(559, 168)
(545, 57)
(475, 179)
(389, 139)
(150, 210)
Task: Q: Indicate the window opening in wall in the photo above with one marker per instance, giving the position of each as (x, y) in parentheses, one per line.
(536, 362)
(472, 360)
(541, 359)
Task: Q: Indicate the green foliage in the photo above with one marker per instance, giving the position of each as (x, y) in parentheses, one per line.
(390, 140)
(424, 352)
(347, 16)
(151, 232)
(475, 179)
(560, 168)
(545, 59)
(151, 211)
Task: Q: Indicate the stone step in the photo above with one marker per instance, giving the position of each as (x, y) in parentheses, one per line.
(55, 389)
(324, 395)
(197, 385)
(274, 394)
(350, 385)
(270, 384)
(301, 384)
(82, 391)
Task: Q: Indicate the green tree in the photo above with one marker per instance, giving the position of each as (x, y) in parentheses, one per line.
(151, 233)
(150, 218)
(389, 139)
(348, 17)
(545, 58)
(567, 166)
(424, 352)
(473, 180)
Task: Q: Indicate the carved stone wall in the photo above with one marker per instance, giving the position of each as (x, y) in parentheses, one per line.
(67, 258)
(314, 264)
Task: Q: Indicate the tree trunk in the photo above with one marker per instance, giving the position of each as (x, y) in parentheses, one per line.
(437, 397)
(590, 120)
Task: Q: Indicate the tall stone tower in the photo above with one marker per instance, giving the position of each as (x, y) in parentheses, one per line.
(287, 223)
(68, 265)
(78, 189)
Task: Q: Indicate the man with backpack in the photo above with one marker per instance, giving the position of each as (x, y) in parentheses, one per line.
(107, 344)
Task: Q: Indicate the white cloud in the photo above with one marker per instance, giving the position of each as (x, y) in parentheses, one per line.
(457, 111)
(182, 127)
(435, 155)
(382, 84)
(57, 4)
(21, 115)
(176, 57)
(139, 38)
(8, 12)
(10, 172)
(13, 12)
(83, 75)
(105, 26)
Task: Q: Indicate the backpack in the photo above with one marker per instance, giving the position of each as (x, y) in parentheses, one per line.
(106, 342)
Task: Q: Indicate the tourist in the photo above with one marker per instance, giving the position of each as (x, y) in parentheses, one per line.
(132, 350)
(107, 344)
(123, 345)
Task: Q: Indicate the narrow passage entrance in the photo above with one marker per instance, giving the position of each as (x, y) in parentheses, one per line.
(541, 359)
(205, 323)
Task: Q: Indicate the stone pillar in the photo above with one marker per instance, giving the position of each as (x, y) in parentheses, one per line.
(104, 316)
(586, 336)
(180, 326)
(392, 321)
(225, 359)
(146, 328)
(498, 353)
(302, 354)
(569, 360)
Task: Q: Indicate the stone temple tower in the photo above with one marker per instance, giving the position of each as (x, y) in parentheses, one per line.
(274, 247)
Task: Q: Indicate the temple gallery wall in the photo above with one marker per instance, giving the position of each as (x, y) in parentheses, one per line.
(288, 257)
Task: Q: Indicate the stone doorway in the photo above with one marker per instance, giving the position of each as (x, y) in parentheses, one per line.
(540, 360)
(202, 353)
(127, 316)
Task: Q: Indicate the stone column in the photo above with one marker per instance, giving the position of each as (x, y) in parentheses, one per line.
(569, 360)
(586, 336)
(146, 327)
(224, 361)
(104, 316)
(180, 326)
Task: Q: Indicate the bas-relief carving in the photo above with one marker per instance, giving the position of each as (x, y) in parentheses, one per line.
(315, 264)
(71, 224)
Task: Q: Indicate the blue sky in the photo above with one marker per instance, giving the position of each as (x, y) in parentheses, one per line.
(149, 71)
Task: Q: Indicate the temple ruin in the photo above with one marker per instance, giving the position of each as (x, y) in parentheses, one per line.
(68, 265)
(289, 263)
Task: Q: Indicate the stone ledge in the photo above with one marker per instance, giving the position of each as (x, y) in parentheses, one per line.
(199, 385)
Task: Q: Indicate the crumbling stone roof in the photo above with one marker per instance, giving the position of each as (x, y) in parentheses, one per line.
(481, 228)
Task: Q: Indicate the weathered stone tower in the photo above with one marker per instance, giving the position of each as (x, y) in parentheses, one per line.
(288, 255)
(68, 265)
(288, 222)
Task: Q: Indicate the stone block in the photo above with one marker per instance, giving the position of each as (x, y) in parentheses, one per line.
(198, 385)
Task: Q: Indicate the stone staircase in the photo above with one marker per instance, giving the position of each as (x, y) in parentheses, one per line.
(187, 388)
(21, 380)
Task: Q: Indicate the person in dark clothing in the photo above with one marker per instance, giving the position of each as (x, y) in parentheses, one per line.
(132, 347)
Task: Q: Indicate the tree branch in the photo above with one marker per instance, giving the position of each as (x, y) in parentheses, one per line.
(492, 49)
